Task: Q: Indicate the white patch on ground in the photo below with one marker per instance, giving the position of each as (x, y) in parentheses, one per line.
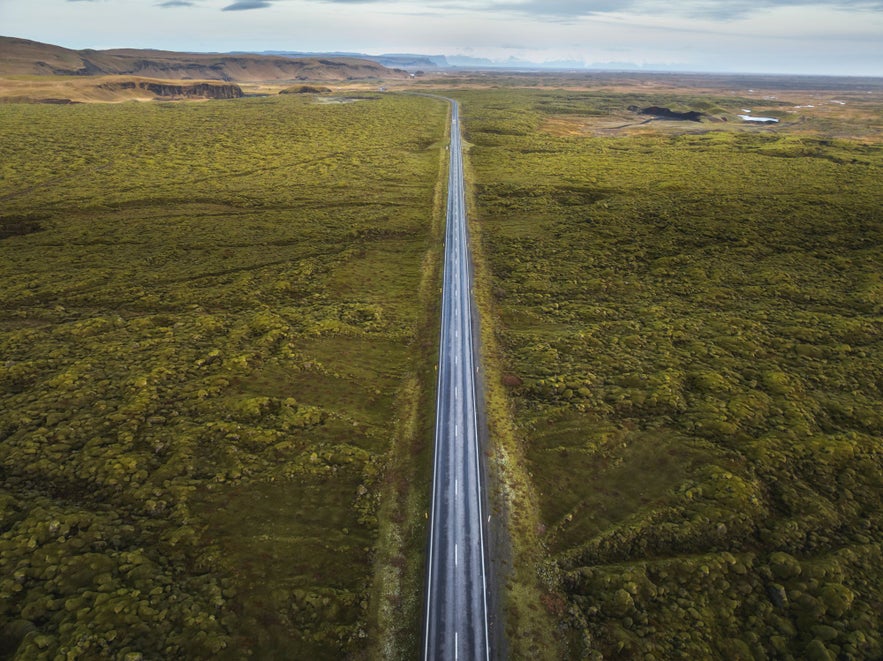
(750, 118)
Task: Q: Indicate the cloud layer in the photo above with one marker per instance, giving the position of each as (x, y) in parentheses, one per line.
(569, 10)
(243, 5)
(776, 36)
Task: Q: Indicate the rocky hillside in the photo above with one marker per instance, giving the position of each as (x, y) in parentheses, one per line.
(110, 89)
(23, 57)
(204, 90)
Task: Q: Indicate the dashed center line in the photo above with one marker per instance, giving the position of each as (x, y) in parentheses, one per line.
(457, 594)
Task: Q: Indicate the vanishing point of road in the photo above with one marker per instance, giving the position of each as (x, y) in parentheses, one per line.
(456, 595)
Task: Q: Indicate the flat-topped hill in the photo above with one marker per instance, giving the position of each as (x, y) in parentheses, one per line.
(24, 57)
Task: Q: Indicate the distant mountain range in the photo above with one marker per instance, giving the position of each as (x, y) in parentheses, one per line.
(412, 62)
(393, 60)
(25, 57)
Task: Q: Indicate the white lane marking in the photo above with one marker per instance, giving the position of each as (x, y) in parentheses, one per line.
(456, 487)
(455, 555)
(456, 431)
(477, 450)
(455, 248)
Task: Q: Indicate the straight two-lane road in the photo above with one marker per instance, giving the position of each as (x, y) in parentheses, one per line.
(456, 599)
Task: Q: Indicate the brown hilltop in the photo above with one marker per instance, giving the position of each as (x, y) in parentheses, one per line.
(23, 57)
(20, 57)
(58, 69)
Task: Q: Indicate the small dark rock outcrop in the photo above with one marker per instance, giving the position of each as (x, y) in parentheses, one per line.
(778, 595)
(666, 113)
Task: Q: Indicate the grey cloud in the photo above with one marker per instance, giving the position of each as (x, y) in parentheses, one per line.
(566, 8)
(713, 9)
(739, 8)
(243, 5)
(571, 10)
(177, 3)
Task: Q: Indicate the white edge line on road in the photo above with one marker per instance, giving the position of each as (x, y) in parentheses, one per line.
(471, 345)
(455, 167)
(436, 457)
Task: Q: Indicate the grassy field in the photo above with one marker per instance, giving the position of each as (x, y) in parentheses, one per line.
(689, 328)
(215, 329)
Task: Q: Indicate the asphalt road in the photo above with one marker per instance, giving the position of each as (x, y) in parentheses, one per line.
(456, 598)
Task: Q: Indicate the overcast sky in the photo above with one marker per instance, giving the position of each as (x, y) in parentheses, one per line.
(775, 36)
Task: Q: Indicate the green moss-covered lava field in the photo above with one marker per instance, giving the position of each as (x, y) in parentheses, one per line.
(213, 322)
(689, 325)
(218, 334)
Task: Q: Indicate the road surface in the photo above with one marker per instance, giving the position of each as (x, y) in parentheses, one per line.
(456, 601)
